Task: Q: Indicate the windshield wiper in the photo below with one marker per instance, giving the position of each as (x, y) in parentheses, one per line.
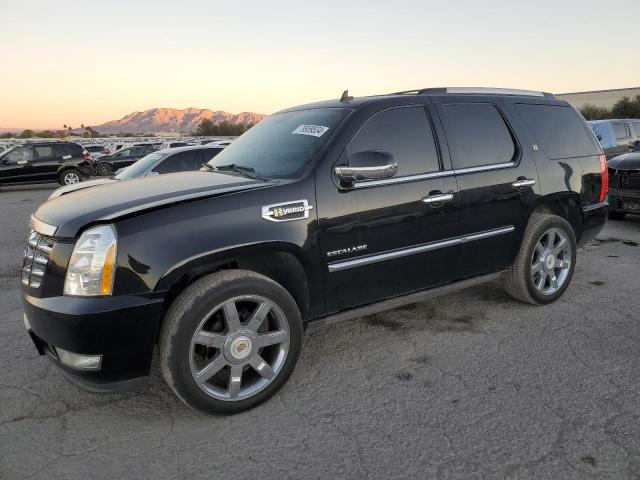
(248, 172)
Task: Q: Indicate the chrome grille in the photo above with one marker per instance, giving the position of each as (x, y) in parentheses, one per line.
(36, 257)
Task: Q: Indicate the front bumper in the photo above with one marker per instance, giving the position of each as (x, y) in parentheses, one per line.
(621, 199)
(594, 218)
(122, 330)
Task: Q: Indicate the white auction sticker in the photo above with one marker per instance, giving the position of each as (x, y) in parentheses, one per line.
(313, 130)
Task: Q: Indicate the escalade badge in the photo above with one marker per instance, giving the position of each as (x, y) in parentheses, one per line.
(285, 212)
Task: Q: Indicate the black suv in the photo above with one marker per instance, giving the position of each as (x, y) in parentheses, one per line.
(319, 213)
(121, 158)
(38, 162)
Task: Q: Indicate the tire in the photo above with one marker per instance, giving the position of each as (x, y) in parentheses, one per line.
(613, 215)
(70, 176)
(533, 266)
(103, 169)
(202, 373)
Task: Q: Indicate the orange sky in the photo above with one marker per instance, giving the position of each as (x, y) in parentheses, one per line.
(81, 62)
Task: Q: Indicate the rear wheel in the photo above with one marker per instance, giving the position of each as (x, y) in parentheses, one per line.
(104, 169)
(230, 341)
(613, 215)
(70, 177)
(545, 263)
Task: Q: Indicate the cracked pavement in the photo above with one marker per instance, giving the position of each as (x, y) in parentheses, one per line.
(468, 386)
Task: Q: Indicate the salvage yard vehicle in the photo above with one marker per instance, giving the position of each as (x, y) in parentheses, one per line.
(319, 213)
(170, 160)
(624, 183)
(124, 157)
(38, 162)
(96, 151)
(617, 136)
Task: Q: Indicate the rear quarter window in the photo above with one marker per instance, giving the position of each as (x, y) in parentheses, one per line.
(558, 130)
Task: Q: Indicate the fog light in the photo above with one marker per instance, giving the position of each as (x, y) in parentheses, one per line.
(79, 362)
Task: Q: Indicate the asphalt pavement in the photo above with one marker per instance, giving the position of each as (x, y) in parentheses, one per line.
(469, 386)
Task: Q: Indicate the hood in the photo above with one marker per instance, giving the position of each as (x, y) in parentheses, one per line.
(79, 186)
(69, 213)
(628, 161)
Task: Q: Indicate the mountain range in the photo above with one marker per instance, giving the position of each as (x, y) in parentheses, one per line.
(173, 120)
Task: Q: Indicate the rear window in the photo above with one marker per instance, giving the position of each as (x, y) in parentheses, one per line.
(558, 130)
(477, 135)
(72, 149)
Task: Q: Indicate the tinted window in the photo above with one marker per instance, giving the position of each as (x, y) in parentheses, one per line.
(210, 153)
(636, 128)
(44, 152)
(621, 130)
(140, 167)
(477, 135)
(180, 162)
(558, 130)
(283, 144)
(19, 154)
(406, 133)
(69, 149)
(94, 149)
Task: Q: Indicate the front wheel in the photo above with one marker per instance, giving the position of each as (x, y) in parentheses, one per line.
(230, 341)
(69, 177)
(545, 263)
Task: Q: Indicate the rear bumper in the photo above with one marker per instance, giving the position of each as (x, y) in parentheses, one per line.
(594, 218)
(121, 330)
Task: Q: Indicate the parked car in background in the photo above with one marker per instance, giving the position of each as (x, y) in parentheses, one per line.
(320, 213)
(97, 151)
(180, 159)
(624, 184)
(122, 158)
(173, 145)
(37, 162)
(616, 136)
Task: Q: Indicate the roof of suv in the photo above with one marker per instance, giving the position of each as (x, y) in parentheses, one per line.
(355, 102)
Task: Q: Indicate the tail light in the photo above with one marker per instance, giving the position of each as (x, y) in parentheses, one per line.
(86, 156)
(604, 172)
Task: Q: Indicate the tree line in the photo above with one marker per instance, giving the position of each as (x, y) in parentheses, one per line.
(626, 107)
(207, 128)
(87, 132)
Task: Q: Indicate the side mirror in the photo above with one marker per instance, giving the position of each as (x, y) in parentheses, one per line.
(367, 165)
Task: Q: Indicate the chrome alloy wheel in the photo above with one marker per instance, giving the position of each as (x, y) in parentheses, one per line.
(239, 347)
(71, 178)
(551, 261)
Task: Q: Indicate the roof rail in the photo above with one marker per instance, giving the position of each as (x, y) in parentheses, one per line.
(476, 90)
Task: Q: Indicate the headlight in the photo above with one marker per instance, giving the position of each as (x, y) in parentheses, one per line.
(92, 265)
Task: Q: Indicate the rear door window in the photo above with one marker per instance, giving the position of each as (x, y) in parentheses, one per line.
(44, 152)
(406, 133)
(558, 130)
(477, 135)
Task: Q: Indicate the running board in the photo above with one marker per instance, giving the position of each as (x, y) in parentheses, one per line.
(401, 301)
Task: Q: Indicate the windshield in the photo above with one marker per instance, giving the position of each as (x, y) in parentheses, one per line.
(282, 145)
(140, 167)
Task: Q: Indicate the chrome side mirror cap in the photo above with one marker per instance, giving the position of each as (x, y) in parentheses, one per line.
(367, 165)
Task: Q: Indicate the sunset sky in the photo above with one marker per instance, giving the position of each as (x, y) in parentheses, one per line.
(85, 62)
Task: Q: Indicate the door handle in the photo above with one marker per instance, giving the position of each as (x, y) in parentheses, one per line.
(523, 183)
(438, 198)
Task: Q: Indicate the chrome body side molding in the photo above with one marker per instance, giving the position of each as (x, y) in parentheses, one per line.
(380, 257)
(404, 300)
(439, 174)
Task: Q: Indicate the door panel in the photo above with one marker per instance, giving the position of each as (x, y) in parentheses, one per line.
(496, 179)
(46, 161)
(379, 239)
(15, 165)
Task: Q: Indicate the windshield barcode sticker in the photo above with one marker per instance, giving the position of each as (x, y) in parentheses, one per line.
(313, 130)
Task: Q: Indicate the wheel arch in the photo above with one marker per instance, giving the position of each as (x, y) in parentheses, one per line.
(283, 262)
(566, 205)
